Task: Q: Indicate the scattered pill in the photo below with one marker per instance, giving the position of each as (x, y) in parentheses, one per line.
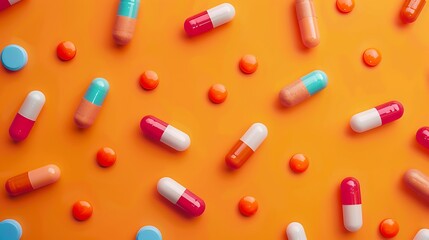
(91, 103)
(246, 146)
(82, 210)
(422, 234)
(106, 157)
(352, 204)
(303, 88)
(26, 116)
(149, 233)
(207, 20)
(217, 93)
(299, 163)
(14, 57)
(422, 136)
(345, 6)
(126, 20)
(7, 3)
(149, 80)
(295, 231)
(248, 64)
(307, 20)
(418, 182)
(66, 51)
(389, 228)
(411, 10)
(372, 57)
(181, 197)
(248, 206)
(32, 180)
(10, 230)
(161, 131)
(376, 117)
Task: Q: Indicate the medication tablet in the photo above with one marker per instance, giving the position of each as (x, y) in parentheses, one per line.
(149, 80)
(149, 233)
(82, 210)
(248, 206)
(248, 64)
(389, 228)
(372, 57)
(14, 57)
(106, 157)
(217, 93)
(66, 51)
(345, 6)
(299, 163)
(10, 230)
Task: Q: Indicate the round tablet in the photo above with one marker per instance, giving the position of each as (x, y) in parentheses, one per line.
(14, 57)
(149, 233)
(106, 157)
(217, 93)
(248, 64)
(66, 51)
(372, 57)
(149, 80)
(82, 210)
(298, 163)
(389, 228)
(248, 206)
(345, 6)
(10, 230)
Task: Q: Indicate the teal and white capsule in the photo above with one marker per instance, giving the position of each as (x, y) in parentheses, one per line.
(126, 21)
(91, 103)
(303, 88)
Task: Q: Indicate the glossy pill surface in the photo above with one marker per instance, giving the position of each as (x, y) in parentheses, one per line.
(295, 231)
(10, 230)
(248, 64)
(149, 233)
(149, 80)
(207, 20)
(417, 182)
(372, 57)
(82, 210)
(422, 136)
(422, 234)
(389, 228)
(351, 204)
(126, 19)
(411, 10)
(248, 206)
(14, 57)
(307, 21)
(66, 51)
(217, 93)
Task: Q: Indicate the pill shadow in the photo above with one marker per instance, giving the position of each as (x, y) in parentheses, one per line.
(174, 208)
(408, 191)
(295, 28)
(418, 147)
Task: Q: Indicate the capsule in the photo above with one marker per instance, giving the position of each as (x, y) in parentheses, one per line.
(246, 146)
(161, 131)
(307, 21)
(207, 20)
(422, 136)
(375, 117)
(125, 21)
(303, 88)
(181, 197)
(352, 204)
(7, 3)
(411, 10)
(91, 103)
(32, 180)
(422, 234)
(418, 182)
(295, 231)
(26, 116)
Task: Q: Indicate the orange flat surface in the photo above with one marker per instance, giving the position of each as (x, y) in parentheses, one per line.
(124, 196)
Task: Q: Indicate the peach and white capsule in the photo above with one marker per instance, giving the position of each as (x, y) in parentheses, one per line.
(376, 117)
(352, 204)
(295, 231)
(27, 115)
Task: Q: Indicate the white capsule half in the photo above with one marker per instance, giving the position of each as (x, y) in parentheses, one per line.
(255, 135)
(170, 189)
(422, 234)
(221, 14)
(352, 217)
(365, 120)
(32, 105)
(175, 138)
(295, 231)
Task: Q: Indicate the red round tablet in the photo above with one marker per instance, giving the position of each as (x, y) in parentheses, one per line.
(389, 228)
(299, 163)
(82, 210)
(248, 206)
(106, 157)
(149, 80)
(217, 93)
(66, 51)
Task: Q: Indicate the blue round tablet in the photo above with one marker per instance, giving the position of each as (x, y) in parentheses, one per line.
(149, 233)
(14, 57)
(10, 230)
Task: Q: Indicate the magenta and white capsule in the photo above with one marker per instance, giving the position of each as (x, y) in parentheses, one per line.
(161, 131)
(376, 117)
(181, 197)
(207, 20)
(352, 204)
(26, 116)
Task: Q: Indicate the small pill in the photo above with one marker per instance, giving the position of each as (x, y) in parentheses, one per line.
(14, 57)
(307, 21)
(10, 230)
(422, 136)
(299, 163)
(106, 157)
(422, 234)
(352, 204)
(389, 228)
(248, 206)
(126, 19)
(411, 10)
(345, 6)
(248, 64)
(217, 93)
(372, 57)
(149, 80)
(149, 233)
(66, 51)
(207, 20)
(418, 182)
(295, 231)
(82, 210)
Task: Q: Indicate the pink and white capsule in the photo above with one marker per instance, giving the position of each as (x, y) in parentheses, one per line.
(26, 116)
(352, 204)
(375, 117)
(295, 231)
(181, 197)
(423, 234)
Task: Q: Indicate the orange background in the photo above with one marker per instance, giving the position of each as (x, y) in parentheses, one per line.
(124, 196)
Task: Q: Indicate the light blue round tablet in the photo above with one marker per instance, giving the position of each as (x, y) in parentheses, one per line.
(10, 230)
(149, 233)
(14, 57)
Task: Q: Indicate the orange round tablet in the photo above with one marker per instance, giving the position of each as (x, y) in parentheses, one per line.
(345, 6)
(248, 64)
(372, 57)
(106, 157)
(149, 80)
(82, 210)
(66, 51)
(299, 163)
(248, 206)
(217, 93)
(389, 228)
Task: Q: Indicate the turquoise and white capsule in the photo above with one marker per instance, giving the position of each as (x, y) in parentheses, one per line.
(126, 21)
(303, 88)
(91, 103)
